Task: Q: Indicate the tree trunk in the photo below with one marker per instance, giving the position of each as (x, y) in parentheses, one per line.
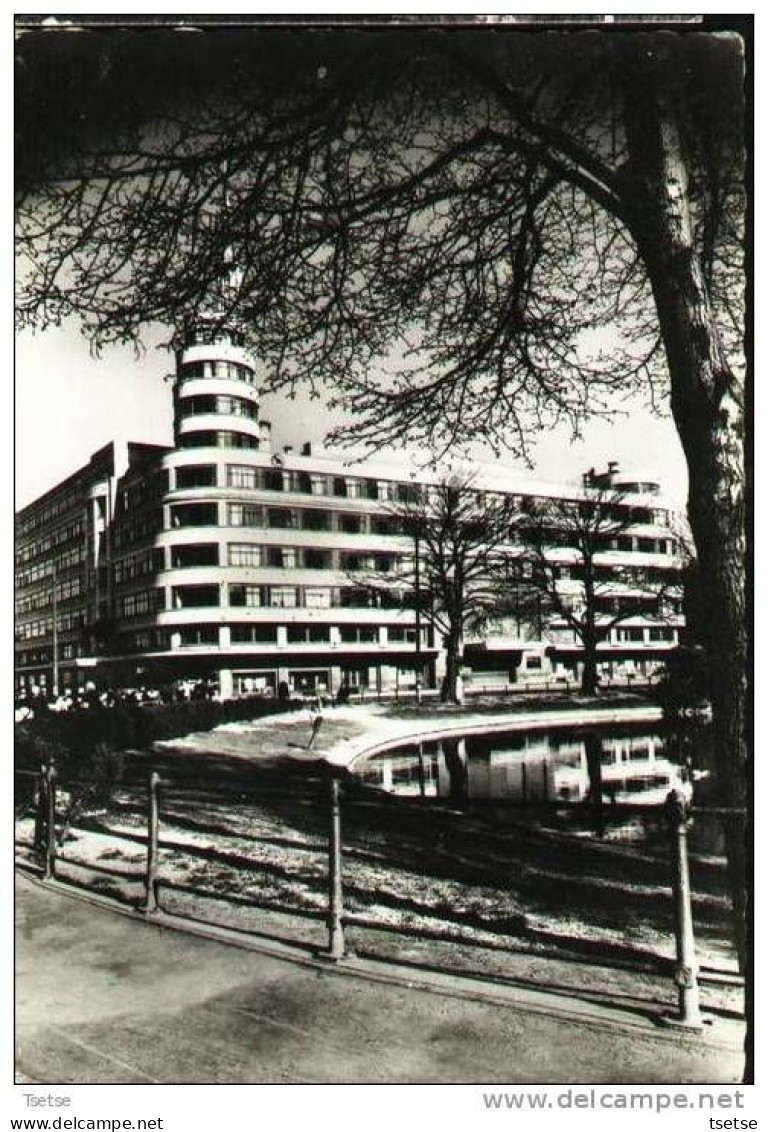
(449, 690)
(593, 749)
(589, 681)
(707, 405)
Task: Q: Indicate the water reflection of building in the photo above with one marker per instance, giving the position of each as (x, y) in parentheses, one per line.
(531, 767)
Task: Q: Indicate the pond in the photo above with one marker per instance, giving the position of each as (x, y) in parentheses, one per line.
(590, 774)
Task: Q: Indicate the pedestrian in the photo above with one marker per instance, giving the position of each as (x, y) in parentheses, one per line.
(317, 723)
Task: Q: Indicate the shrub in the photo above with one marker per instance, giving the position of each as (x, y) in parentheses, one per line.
(686, 684)
(73, 737)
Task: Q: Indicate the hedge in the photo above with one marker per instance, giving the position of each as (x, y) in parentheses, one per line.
(126, 726)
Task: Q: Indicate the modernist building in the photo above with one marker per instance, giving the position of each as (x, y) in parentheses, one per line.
(221, 559)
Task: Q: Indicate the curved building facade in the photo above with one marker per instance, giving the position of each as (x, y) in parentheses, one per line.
(221, 560)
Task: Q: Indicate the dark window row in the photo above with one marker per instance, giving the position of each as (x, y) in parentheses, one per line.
(209, 438)
(289, 597)
(229, 371)
(222, 406)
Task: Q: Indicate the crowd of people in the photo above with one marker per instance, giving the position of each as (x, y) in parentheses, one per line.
(36, 701)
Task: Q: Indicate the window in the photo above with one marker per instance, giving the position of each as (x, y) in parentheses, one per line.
(315, 598)
(191, 635)
(240, 475)
(353, 562)
(195, 597)
(661, 634)
(371, 489)
(340, 486)
(245, 515)
(397, 634)
(236, 440)
(235, 406)
(254, 634)
(139, 565)
(251, 596)
(273, 479)
(205, 438)
(315, 521)
(283, 597)
(631, 635)
(351, 524)
(316, 559)
(244, 554)
(194, 515)
(281, 557)
(197, 554)
(350, 597)
(308, 634)
(66, 590)
(140, 603)
(362, 634)
(192, 406)
(407, 493)
(280, 518)
(384, 524)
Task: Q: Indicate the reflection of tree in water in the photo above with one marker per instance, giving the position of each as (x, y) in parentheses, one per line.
(455, 764)
(593, 749)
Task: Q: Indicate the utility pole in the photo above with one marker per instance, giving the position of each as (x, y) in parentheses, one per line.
(55, 630)
(415, 498)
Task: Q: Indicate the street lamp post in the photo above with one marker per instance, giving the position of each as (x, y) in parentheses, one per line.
(417, 554)
(417, 585)
(54, 631)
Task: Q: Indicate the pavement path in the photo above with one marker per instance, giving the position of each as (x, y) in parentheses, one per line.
(103, 997)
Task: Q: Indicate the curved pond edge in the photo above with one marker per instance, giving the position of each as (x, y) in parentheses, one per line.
(350, 751)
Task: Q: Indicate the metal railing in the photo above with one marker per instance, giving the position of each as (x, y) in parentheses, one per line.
(676, 811)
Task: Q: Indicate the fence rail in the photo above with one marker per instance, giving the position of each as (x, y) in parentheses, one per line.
(675, 812)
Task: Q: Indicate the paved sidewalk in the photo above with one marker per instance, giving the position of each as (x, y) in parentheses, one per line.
(108, 998)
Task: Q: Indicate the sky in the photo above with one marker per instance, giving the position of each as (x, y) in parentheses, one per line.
(69, 404)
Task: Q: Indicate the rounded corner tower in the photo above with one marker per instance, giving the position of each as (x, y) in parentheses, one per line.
(215, 398)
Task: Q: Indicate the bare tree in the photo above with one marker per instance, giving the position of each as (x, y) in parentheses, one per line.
(482, 207)
(458, 536)
(566, 558)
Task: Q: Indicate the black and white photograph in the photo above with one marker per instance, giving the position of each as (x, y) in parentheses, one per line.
(383, 511)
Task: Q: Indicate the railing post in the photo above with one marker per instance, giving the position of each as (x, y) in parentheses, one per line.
(41, 810)
(686, 970)
(49, 860)
(153, 830)
(336, 947)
